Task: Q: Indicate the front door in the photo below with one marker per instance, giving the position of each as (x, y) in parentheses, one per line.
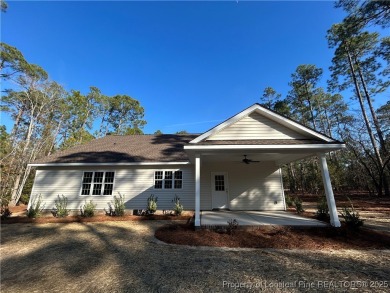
(219, 192)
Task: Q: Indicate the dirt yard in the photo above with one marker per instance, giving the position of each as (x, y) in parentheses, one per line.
(323, 238)
(125, 256)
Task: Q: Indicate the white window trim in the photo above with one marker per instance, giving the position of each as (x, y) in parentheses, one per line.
(92, 183)
(163, 179)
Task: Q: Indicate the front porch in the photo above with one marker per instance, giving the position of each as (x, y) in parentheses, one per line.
(256, 218)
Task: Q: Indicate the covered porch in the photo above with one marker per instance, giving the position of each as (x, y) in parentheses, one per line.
(238, 162)
(204, 157)
(256, 218)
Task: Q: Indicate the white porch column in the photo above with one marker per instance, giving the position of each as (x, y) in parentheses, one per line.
(334, 218)
(197, 190)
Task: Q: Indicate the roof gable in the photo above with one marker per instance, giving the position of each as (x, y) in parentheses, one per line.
(257, 122)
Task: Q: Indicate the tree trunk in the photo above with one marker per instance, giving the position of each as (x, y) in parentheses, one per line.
(366, 121)
(373, 114)
(292, 177)
(377, 127)
(310, 107)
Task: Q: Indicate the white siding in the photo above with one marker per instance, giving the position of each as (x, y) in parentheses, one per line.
(256, 126)
(135, 183)
(256, 186)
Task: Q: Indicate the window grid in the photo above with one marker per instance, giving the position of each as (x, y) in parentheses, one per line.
(97, 183)
(168, 179)
(219, 183)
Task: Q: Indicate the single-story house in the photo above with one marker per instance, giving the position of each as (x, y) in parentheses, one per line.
(235, 165)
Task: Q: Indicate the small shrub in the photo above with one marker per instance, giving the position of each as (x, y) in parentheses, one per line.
(232, 226)
(88, 210)
(152, 204)
(322, 209)
(351, 217)
(4, 209)
(36, 207)
(61, 204)
(298, 205)
(118, 209)
(289, 201)
(178, 207)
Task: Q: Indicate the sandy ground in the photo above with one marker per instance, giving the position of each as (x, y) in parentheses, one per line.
(125, 257)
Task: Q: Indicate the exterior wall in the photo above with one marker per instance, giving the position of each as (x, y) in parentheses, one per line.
(251, 187)
(136, 183)
(257, 186)
(256, 126)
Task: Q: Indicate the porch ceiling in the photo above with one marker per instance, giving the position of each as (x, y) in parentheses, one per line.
(279, 156)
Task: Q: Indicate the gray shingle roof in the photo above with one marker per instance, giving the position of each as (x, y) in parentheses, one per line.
(125, 149)
(148, 148)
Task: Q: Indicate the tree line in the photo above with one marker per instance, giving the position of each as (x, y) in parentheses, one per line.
(47, 118)
(361, 64)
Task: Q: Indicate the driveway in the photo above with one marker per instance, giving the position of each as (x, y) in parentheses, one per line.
(256, 218)
(125, 257)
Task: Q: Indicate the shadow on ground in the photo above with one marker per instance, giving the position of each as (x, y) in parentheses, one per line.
(125, 257)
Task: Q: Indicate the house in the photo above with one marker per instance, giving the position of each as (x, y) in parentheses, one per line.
(235, 165)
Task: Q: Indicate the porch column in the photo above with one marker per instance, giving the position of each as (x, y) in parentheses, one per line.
(334, 218)
(197, 190)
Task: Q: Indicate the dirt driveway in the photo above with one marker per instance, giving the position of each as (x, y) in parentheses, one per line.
(125, 257)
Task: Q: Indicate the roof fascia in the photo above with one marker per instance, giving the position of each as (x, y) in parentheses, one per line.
(335, 146)
(105, 164)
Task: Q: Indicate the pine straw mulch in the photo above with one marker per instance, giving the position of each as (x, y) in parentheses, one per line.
(19, 215)
(278, 237)
(97, 218)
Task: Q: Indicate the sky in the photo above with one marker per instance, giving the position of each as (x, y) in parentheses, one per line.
(191, 65)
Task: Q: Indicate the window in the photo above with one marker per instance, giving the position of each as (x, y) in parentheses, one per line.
(219, 183)
(97, 183)
(168, 179)
(178, 180)
(158, 179)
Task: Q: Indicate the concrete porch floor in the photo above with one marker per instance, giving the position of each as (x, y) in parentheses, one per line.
(256, 218)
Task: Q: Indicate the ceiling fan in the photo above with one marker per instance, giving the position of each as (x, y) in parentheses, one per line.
(248, 161)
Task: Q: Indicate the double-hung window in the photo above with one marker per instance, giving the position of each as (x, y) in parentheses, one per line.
(168, 179)
(98, 183)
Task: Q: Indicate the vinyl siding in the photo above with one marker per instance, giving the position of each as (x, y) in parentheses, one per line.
(251, 187)
(255, 186)
(135, 183)
(256, 126)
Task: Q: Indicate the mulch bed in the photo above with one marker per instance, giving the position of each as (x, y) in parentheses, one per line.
(97, 218)
(276, 237)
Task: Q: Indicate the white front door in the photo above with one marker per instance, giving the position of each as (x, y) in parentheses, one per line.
(219, 191)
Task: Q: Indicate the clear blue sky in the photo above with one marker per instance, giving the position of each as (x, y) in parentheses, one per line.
(190, 64)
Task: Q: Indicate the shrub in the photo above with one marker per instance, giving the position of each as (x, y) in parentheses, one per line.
(4, 209)
(232, 226)
(36, 207)
(289, 201)
(119, 206)
(351, 217)
(61, 204)
(152, 204)
(88, 210)
(298, 205)
(178, 207)
(322, 209)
